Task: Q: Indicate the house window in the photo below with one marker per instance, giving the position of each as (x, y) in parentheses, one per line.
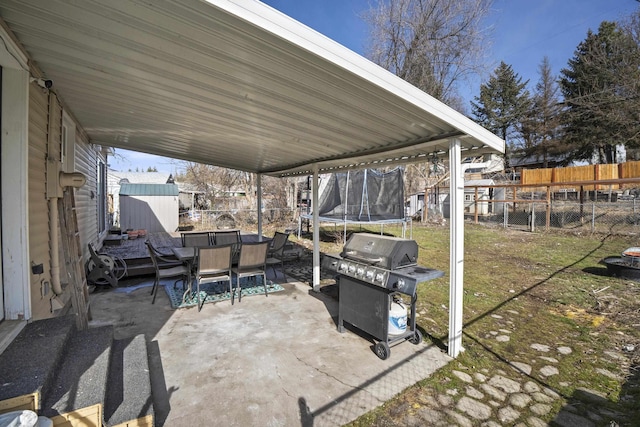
(102, 200)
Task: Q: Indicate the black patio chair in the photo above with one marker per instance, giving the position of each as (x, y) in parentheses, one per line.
(276, 254)
(196, 239)
(228, 237)
(166, 269)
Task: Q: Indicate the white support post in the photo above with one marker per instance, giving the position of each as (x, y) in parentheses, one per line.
(259, 201)
(456, 251)
(15, 281)
(316, 231)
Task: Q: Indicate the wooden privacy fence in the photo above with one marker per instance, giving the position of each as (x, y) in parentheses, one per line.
(572, 174)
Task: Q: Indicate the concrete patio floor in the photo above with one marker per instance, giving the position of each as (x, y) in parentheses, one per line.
(266, 361)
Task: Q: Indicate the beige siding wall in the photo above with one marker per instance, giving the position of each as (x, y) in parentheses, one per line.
(38, 206)
(45, 130)
(87, 205)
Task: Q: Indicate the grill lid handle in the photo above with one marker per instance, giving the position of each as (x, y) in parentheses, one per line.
(352, 255)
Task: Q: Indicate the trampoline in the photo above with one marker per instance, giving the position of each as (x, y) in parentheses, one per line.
(364, 197)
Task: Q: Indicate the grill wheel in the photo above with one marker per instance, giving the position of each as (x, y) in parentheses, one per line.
(416, 338)
(382, 350)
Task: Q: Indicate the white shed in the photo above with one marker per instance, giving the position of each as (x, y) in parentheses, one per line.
(414, 204)
(153, 207)
(483, 196)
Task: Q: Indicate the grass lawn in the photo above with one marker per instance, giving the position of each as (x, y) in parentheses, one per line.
(562, 297)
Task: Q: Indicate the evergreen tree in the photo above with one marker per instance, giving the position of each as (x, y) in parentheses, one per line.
(600, 88)
(541, 129)
(503, 104)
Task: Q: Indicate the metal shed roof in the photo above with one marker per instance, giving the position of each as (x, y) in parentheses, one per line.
(149, 190)
(476, 182)
(233, 83)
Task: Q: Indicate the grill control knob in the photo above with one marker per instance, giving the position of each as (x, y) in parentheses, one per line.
(400, 284)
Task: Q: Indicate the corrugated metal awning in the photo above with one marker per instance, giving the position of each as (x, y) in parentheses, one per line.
(232, 83)
(149, 190)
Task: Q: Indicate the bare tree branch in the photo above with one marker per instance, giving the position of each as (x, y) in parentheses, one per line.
(432, 44)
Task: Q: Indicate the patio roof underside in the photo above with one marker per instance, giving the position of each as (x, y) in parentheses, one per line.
(230, 83)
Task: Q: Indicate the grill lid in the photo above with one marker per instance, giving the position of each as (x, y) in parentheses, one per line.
(382, 251)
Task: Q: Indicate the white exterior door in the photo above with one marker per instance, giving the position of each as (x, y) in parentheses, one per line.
(15, 298)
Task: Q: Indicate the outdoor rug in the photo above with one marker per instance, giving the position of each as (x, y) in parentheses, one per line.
(217, 291)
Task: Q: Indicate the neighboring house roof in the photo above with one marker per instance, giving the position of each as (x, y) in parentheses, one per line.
(186, 187)
(149, 190)
(140, 177)
(537, 159)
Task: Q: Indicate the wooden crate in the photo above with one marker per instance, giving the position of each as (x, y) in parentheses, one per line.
(91, 416)
(26, 402)
(139, 422)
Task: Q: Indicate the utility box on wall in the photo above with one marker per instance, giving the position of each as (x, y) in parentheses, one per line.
(153, 207)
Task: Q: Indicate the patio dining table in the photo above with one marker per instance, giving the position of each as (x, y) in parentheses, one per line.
(187, 255)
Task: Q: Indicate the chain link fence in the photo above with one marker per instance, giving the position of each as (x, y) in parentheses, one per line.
(597, 212)
(237, 218)
(593, 217)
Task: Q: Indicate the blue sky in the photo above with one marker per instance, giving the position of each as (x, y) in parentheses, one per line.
(126, 160)
(524, 31)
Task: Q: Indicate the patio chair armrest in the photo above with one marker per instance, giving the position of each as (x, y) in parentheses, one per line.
(167, 259)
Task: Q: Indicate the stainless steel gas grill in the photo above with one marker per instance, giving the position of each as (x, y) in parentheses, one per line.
(371, 270)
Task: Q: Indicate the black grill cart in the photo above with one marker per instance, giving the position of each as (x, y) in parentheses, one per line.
(371, 270)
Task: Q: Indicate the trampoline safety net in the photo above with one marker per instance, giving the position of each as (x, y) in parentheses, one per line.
(363, 195)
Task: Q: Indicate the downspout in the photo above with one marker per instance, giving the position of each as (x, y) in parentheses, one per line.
(54, 246)
(56, 181)
(54, 161)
